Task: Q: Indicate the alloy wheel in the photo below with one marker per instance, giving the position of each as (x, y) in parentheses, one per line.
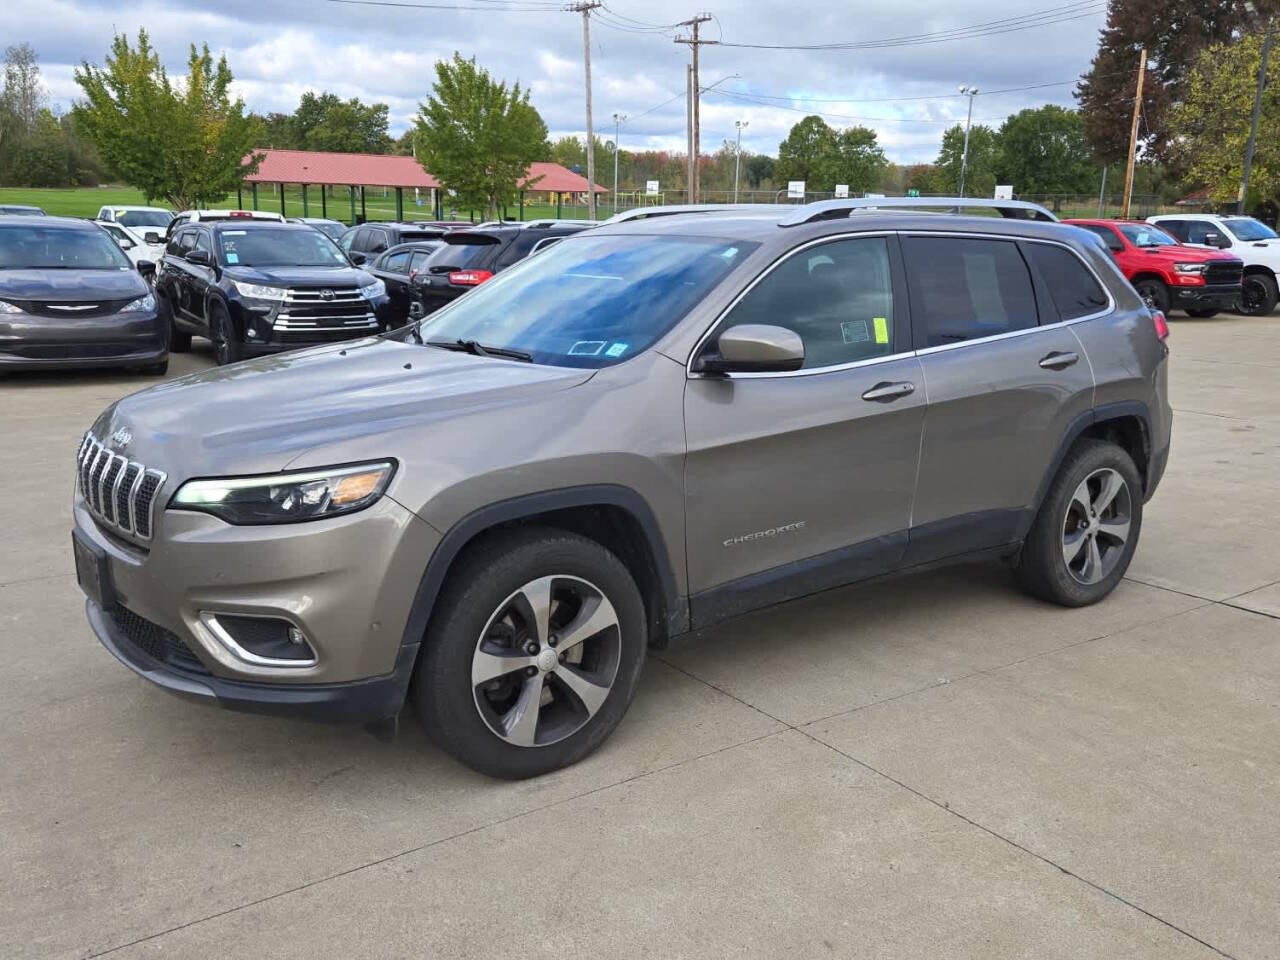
(546, 660)
(1253, 294)
(221, 347)
(1095, 529)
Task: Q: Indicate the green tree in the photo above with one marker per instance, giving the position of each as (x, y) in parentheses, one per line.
(980, 175)
(758, 169)
(1043, 150)
(477, 136)
(802, 153)
(1210, 128)
(186, 143)
(42, 158)
(347, 126)
(22, 97)
(853, 157)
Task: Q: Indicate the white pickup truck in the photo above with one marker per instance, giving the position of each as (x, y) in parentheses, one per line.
(1251, 240)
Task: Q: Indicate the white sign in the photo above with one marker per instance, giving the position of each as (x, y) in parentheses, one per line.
(651, 188)
(1004, 191)
(842, 191)
(873, 196)
(795, 189)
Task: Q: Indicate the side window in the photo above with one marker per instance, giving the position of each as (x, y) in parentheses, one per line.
(419, 261)
(1178, 228)
(345, 240)
(519, 248)
(1074, 290)
(186, 240)
(378, 240)
(202, 241)
(965, 289)
(1199, 230)
(1108, 235)
(837, 296)
(396, 262)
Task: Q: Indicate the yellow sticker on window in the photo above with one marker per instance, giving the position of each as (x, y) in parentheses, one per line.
(882, 329)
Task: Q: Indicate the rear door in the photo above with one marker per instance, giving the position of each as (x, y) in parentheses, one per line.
(800, 481)
(1005, 377)
(392, 268)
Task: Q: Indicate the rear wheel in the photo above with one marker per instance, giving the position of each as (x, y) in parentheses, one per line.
(1153, 293)
(533, 654)
(1084, 536)
(1257, 295)
(227, 347)
(1202, 314)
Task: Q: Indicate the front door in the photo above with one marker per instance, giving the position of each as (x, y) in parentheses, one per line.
(800, 481)
(1006, 378)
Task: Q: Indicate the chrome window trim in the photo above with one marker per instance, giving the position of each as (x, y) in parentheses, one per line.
(209, 620)
(690, 373)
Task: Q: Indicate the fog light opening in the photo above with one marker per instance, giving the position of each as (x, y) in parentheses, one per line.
(261, 641)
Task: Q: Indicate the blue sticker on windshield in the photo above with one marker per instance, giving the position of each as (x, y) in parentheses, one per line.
(233, 258)
(729, 253)
(617, 349)
(586, 348)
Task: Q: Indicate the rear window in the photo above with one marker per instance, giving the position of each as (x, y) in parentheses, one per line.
(462, 256)
(144, 218)
(1073, 288)
(965, 289)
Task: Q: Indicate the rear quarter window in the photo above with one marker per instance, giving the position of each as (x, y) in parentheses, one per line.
(1073, 288)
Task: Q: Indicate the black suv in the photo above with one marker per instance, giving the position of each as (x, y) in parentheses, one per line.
(397, 269)
(370, 239)
(470, 257)
(256, 287)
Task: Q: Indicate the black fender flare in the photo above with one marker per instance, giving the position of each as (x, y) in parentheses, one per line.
(529, 505)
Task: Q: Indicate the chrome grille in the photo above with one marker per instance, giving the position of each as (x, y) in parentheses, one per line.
(309, 309)
(119, 492)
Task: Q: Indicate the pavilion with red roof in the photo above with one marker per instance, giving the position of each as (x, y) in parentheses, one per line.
(355, 171)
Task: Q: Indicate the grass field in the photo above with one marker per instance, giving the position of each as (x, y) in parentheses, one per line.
(86, 201)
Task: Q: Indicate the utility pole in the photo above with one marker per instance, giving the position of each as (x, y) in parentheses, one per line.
(1133, 136)
(964, 158)
(1102, 193)
(617, 133)
(688, 134)
(694, 43)
(585, 9)
(1257, 109)
(737, 156)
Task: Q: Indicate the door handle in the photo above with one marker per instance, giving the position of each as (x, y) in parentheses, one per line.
(1058, 361)
(886, 392)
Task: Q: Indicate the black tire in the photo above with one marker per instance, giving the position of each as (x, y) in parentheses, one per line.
(1258, 295)
(1202, 314)
(157, 369)
(1042, 569)
(227, 346)
(1153, 293)
(482, 583)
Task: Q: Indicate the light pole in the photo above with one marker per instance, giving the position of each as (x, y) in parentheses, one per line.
(737, 156)
(617, 132)
(970, 92)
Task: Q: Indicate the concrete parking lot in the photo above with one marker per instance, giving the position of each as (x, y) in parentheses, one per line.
(936, 766)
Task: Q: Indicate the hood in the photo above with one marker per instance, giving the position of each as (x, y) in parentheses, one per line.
(301, 276)
(1184, 254)
(260, 415)
(70, 286)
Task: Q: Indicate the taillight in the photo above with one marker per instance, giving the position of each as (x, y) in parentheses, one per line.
(469, 278)
(1162, 325)
(240, 213)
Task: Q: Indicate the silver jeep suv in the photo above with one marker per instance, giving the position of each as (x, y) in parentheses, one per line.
(645, 429)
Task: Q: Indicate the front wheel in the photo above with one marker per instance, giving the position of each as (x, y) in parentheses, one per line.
(533, 654)
(1153, 293)
(227, 347)
(1257, 295)
(1084, 536)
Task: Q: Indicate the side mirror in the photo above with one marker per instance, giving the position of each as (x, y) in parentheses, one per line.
(358, 258)
(147, 268)
(416, 311)
(152, 237)
(754, 348)
(200, 257)
(1216, 240)
(125, 243)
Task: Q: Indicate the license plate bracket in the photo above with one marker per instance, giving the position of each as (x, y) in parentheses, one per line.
(93, 570)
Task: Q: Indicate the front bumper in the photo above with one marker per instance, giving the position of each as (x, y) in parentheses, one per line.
(359, 701)
(1212, 297)
(54, 343)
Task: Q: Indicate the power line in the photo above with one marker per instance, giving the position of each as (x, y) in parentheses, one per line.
(491, 6)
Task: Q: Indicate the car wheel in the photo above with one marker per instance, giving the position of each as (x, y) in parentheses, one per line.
(157, 369)
(533, 654)
(1202, 314)
(227, 348)
(1257, 295)
(1153, 293)
(1085, 533)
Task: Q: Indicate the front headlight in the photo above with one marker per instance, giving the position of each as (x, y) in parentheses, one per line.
(146, 303)
(287, 497)
(8, 308)
(374, 290)
(1190, 268)
(257, 291)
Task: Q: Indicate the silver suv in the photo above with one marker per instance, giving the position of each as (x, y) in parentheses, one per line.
(646, 429)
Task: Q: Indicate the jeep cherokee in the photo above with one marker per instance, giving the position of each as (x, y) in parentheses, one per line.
(648, 428)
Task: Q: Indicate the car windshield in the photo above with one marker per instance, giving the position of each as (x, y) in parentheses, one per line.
(297, 247)
(331, 229)
(1249, 229)
(589, 301)
(59, 248)
(144, 218)
(1145, 235)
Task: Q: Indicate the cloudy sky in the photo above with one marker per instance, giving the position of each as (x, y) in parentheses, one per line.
(278, 49)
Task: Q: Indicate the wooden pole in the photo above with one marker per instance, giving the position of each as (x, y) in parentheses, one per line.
(696, 147)
(1133, 135)
(585, 9)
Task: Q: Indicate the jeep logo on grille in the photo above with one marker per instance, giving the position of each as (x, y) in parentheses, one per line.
(120, 439)
(326, 294)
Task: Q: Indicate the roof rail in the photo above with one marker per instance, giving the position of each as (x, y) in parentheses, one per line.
(674, 209)
(837, 209)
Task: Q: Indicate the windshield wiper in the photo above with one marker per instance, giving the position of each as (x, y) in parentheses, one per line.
(477, 349)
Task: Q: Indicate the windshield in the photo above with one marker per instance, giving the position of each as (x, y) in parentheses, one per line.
(1249, 229)
(332, 229)
(144, 218)
(1145, 235)
(54, 248)
(589, 301)
(260, 247)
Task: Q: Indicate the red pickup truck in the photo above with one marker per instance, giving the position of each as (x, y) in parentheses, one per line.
(1166, 274)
